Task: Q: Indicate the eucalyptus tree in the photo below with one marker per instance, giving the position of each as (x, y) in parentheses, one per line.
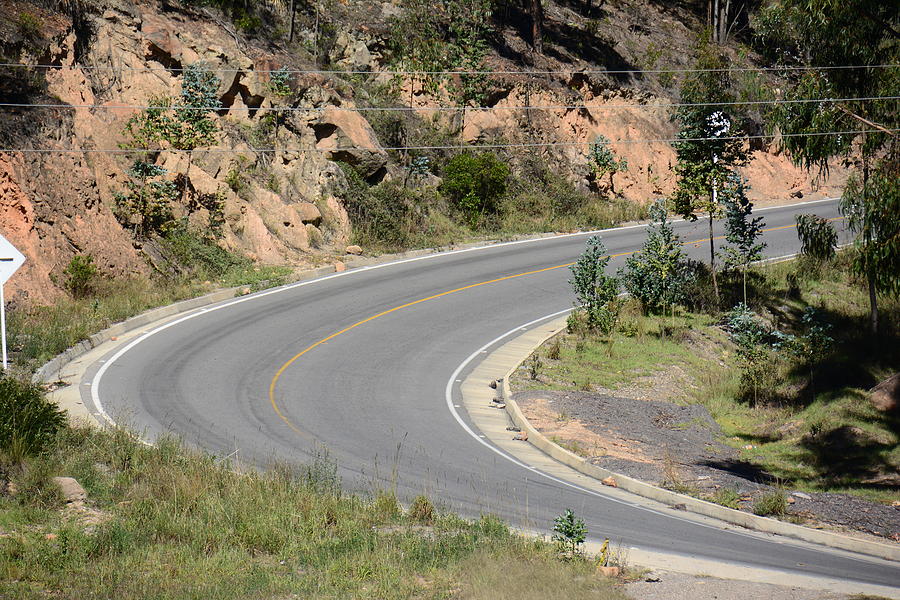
(841, 92)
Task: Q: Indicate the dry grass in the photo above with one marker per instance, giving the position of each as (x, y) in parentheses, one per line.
(487, 577)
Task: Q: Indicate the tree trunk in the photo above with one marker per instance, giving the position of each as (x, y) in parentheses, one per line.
(873, 302)
(293, 19)
(537, 26)
(745, 285)
(187, 178)
(712, 256)
(715, 23)
(870, 276)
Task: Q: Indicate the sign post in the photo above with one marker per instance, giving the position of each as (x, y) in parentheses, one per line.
(10, 261)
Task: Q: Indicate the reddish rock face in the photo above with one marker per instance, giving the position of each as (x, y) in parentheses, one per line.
(886, 395)
(50, 210)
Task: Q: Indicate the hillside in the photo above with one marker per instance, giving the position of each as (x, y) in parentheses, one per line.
(271, 186)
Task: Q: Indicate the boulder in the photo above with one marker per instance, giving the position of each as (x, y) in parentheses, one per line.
(354, 250)
(70, 488)
(610, 481)
(608, 571)
(346, 136)
(308, 212)
(352, 53)
(886, 395)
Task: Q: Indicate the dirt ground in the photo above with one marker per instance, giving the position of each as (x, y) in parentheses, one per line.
(680, 447)
(677, 586)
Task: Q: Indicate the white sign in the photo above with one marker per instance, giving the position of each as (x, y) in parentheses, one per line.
(10, 260)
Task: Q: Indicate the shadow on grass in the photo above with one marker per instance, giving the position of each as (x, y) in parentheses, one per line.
(742, 469)
(846, 455)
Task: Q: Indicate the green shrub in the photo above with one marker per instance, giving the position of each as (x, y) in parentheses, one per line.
(422, 510)
(386, 506)
(80, 274)
(389, 216)
(28, 420)
(818, 237)
(771, 504)
(594, 289)
(200, 255)
(726, 497)
(475, 184)
(659, 276)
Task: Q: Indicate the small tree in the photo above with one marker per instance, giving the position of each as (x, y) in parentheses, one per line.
(818, 238)
(185, 124)
(146, 205)
(659, 275)
(594, 289)
(603, 161)
(742, 232)
(80, 274)
(569, 532)
(758, 347)
(417, 168)
(709, 147)
(280, 86)
(816, 342)
(872, 209)
(475, 184)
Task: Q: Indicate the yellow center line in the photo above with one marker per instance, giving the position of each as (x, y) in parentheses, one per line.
(285, 366)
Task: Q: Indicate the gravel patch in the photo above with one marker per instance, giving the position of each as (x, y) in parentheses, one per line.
(679, 447)
(677, 586)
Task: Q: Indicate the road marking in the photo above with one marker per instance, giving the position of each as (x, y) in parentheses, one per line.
(274, 382)
(95, 388)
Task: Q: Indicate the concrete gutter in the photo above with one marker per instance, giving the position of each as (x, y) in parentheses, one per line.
(645, 490)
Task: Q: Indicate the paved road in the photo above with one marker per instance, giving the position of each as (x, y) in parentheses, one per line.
(374, 395)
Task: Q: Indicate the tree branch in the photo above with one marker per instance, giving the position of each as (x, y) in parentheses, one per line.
(866, 121)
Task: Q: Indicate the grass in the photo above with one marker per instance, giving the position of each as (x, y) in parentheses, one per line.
(171, 522)
(38, 333)
(572, 446)
(816, 429)
(637, 350)
(771, 504)
(726, 497)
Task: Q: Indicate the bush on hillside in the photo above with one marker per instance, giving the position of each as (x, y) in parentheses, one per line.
(475, 183)
(28, 420)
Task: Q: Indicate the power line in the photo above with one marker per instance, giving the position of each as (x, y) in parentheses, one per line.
(447, 108)
(436, 147)
(456, 72)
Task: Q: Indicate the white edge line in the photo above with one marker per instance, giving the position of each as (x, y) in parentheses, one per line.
(95, 385)
(448, 396)
(726, 527)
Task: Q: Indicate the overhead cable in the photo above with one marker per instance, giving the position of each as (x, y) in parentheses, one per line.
(287, 70)
(435, 147)
(445, 108)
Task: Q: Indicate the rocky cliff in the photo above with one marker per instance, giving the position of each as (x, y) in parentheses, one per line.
(280, 190)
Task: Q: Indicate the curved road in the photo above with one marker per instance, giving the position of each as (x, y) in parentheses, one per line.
(357, 363)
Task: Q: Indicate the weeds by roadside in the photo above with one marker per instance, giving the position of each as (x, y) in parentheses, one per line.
(174, 522)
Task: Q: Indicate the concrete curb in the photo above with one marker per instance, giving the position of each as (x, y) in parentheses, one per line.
(689, 503)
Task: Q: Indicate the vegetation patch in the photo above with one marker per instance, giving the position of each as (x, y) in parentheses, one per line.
(180, 523)
(797, 411)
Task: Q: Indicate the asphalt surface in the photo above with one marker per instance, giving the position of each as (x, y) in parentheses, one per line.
(373, 396)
